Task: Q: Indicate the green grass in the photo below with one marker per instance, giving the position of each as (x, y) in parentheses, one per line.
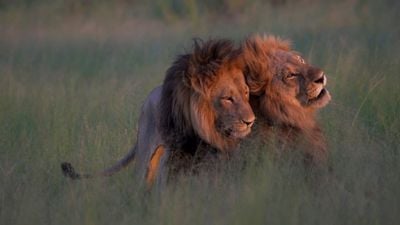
(71, 87)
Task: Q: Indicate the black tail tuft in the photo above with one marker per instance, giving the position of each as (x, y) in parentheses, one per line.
(69, 171)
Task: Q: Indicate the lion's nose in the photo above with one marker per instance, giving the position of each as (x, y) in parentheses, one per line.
(249, 121)
(321, 79)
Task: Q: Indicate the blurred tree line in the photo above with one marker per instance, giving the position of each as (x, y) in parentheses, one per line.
(169, 10)
(164, 9)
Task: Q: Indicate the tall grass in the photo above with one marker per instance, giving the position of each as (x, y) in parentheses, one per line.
(71, 87)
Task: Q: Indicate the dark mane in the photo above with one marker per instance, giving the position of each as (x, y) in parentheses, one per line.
(189, 77)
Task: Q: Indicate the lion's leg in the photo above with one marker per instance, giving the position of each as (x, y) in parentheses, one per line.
(154, 165)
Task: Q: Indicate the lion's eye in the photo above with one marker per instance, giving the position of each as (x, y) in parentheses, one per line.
(292, 75)
(227, 99)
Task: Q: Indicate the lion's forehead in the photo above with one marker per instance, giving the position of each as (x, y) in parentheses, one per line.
(295, 63)
(295, 57)
(233, 75)
(232, 85)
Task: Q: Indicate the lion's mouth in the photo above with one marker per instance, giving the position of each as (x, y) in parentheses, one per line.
(237, 133)
(321, 99)
(320, 95)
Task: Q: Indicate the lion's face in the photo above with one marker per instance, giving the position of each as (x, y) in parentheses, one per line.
(298, 82)
(230, 97)
(295, 90)
(285, 91)
(224, 107)
(284, 88)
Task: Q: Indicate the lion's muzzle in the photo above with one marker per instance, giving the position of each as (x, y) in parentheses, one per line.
(316, 88)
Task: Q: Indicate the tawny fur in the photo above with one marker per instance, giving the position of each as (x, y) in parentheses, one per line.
(189, 110)
(283, 88)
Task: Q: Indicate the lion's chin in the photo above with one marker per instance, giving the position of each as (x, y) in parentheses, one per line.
(321, 100)
(238, 133)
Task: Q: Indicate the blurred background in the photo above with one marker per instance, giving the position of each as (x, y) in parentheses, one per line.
(74, 73)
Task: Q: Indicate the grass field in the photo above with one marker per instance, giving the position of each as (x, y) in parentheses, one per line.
(72, 83)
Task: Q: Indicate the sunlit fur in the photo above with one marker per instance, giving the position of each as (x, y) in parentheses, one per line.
(285, 93)
(189, 112)
(192, 88)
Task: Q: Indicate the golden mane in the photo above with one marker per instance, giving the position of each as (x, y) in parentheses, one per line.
(186, 117)
(279, 101)
(258, 53)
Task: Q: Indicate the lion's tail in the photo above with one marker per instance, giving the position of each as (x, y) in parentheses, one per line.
(69, 171)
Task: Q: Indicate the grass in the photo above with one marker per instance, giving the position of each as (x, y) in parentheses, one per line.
(71, 88)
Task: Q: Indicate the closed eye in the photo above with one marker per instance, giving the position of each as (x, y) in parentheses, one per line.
(227, 99)
(292, 75)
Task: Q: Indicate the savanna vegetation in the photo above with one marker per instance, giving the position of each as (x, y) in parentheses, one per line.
(73, 75)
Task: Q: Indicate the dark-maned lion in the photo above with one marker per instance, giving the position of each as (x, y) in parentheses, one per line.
(286, 92)
(203, 100)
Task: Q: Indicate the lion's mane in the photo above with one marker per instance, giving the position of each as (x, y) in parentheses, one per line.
(186, 118)
(274, 111)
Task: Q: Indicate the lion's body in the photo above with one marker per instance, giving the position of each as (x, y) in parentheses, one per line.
(202, 104)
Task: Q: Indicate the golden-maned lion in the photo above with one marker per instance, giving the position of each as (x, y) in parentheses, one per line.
(204, 100)
(285, 92)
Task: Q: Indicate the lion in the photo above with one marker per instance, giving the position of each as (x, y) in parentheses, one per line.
(285, 94)
(203, 101)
